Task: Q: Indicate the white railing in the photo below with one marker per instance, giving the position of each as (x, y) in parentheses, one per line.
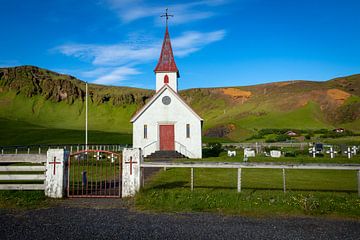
(32, 173)
(149, 149)
(183, 150)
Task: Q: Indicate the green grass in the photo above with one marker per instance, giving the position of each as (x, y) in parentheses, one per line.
(23, 199)
(309, 192)
(22, 133)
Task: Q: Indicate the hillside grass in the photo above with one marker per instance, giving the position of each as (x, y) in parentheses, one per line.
(23, 133)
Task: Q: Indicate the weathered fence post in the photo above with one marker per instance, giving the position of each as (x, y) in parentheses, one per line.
(39, 150)
(239, 180)
(56, 173)
(131, 174)
(28, 150)
(2, 151)
(284, 179)
(192, 179)
(16, 150)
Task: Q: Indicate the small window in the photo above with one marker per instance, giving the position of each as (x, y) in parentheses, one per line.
(145, 131)
(166, 79)
(188, 130)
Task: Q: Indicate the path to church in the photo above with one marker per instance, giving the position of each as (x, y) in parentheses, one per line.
(114, 219)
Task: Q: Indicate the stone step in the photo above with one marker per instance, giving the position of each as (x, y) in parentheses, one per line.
(164, 155)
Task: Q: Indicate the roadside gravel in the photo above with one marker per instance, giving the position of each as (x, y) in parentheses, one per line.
(113, 219)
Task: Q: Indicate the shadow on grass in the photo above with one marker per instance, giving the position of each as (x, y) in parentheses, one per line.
(180, 184)
(170, 185)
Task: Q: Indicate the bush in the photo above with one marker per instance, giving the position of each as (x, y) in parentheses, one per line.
(212, 150)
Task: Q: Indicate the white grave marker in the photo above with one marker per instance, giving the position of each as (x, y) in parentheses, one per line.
(231, 153)
(275, 153)
(248, 152)
(332, 152)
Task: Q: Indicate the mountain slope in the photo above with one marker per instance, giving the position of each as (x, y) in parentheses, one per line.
(49, 99)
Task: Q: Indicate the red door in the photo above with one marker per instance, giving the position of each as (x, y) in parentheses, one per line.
(167, 137)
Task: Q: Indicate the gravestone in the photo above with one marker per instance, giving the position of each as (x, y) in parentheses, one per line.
(275, 153)
(248, 152)
(231, 153)
(131, 174)
(56, 175)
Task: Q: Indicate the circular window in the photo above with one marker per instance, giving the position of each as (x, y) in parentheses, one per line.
(166, 100)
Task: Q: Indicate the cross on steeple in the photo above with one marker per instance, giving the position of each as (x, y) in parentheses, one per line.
(167, 16)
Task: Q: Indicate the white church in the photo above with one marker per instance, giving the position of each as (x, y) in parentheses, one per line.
(166, 123)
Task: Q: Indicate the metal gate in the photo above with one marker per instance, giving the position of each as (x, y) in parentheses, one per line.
(94, 174)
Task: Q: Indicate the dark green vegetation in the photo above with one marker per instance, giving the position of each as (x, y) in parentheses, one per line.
(55, 103)
(23, 199)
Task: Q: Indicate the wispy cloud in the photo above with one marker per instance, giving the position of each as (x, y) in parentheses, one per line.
(115, 75)
(129, 11)
(114, 63)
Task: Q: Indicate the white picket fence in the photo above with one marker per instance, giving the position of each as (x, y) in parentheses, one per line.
(28, 169)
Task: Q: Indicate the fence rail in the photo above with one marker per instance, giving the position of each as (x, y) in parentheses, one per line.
(31, 173)
(240, 166)
(42, 148)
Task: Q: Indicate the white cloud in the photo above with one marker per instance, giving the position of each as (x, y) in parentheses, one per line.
(119, 54)
(114, 63)
(114, 75)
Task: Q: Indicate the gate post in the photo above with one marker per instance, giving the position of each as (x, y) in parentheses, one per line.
(56, 173)
(131, 174)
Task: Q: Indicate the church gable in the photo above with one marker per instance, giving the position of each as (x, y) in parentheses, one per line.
(165, 101)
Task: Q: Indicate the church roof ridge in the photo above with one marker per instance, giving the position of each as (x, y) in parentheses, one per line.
(166, 61)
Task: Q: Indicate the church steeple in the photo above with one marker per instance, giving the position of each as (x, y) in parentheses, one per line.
(166, 61)
(166, 70)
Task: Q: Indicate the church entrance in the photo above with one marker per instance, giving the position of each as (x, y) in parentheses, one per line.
(167, 138)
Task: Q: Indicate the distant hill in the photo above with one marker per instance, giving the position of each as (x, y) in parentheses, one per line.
(49, 99)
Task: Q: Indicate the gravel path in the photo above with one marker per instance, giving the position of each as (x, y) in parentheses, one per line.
(112, 219)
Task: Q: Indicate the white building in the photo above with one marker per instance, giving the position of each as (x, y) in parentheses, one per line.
(166, 122)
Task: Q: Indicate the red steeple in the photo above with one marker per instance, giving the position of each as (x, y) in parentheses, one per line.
(166, 61)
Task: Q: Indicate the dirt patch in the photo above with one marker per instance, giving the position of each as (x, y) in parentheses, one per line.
(220, 131)
(236, 93)
(338, 95)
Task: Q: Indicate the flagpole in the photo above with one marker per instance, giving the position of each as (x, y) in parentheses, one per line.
(86, 116)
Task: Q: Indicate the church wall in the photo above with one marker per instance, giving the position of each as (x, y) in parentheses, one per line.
(172, 80)
(174, 113)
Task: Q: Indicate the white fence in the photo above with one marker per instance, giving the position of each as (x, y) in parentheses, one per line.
(15, 177)
(239, 166)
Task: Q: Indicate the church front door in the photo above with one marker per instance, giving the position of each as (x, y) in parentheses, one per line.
(167, 138)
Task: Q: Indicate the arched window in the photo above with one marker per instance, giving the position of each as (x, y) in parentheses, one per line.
(166, 79)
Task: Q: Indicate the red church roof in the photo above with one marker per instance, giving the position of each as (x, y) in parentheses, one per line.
(166, 61)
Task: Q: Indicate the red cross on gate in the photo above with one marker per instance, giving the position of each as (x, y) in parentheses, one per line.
(54, 162)
(131, 163)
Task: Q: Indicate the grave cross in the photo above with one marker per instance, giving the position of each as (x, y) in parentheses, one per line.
(54, 162)
(332, 152)
(349, 152)
(131, 165)
(313, 151)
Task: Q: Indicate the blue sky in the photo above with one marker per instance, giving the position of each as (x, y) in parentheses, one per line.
(215, 42)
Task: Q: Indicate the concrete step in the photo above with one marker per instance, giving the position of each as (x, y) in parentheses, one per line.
(164, 155)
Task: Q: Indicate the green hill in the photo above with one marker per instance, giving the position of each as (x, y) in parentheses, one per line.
(42, 99)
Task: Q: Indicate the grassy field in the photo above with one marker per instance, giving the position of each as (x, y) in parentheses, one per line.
(309, 192)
